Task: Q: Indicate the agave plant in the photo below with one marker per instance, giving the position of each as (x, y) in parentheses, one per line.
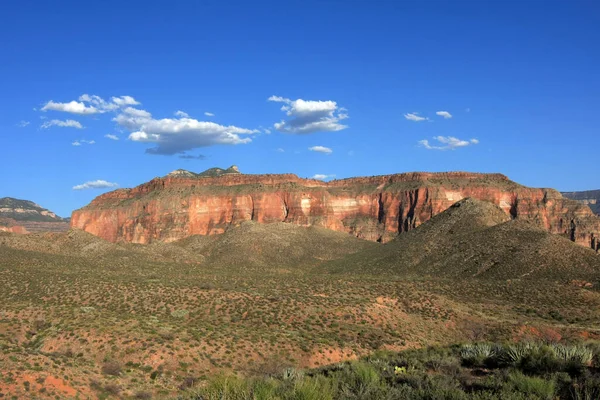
(477, 352)
(292, 374)
(514, 354)
(573, 354)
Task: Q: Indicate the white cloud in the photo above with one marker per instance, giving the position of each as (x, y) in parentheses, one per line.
(308, 116)
(280, 150)
(83, 141)
(97, 184)
(23, 124)
(415, 117)
(321, 149)
(111, 137)
(90, 104)
(444, 114)
(209, 114)
(125, 101)
(267, 131)
(322, 176)
(175, 136)
(136, 112)
(73, 107)
(447, 143)
(63, 124)
(170, 135)
(98, 102)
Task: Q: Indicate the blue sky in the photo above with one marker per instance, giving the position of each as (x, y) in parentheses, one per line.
(516, 86)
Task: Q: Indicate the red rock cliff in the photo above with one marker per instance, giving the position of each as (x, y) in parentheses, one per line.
(374, 208)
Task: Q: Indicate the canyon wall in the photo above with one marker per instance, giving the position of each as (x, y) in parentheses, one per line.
(374, 208)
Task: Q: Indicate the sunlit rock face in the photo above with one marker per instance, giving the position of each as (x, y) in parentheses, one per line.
(374, 208)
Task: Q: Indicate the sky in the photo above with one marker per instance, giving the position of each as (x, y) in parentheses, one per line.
(103, 95)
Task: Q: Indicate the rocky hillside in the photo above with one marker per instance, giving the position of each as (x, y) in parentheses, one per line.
(588, 197)
(29, 217)
(476, 239)
(375, 208)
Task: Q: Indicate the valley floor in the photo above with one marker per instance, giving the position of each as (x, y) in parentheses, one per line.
(125, 326)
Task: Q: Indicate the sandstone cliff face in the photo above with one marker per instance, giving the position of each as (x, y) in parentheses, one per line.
(374, 208)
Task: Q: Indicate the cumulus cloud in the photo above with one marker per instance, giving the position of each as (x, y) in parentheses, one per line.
(136, 112)
(76, 143)
(23, 124)
(90, 104)
(125, 101)
(97, 184)
(415, 117)
(447, 143)
(178, 135)
(309, 116)
(73, 107)
(323, 176)
(63, 124)
(170, 135)
(111, 137)
(321, 149)
(209, 114)
(444, 114)
(280, 150)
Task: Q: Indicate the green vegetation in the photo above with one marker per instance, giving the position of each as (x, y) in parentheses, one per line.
(430, 373)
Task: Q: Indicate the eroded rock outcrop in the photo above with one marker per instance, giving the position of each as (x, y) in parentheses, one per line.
(10, 225)
(374, 208)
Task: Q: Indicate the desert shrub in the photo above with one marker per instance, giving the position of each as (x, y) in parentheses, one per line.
(112, 368)
(264, 390)
(142, 395)
(365, 374)
(583, 388)
(539, 388)
(314, 388)
(112, 389)
(540, 359)
(223, 387)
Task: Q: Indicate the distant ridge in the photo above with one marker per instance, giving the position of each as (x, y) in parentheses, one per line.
(211, 172)
(589, 197)
(31, 216)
